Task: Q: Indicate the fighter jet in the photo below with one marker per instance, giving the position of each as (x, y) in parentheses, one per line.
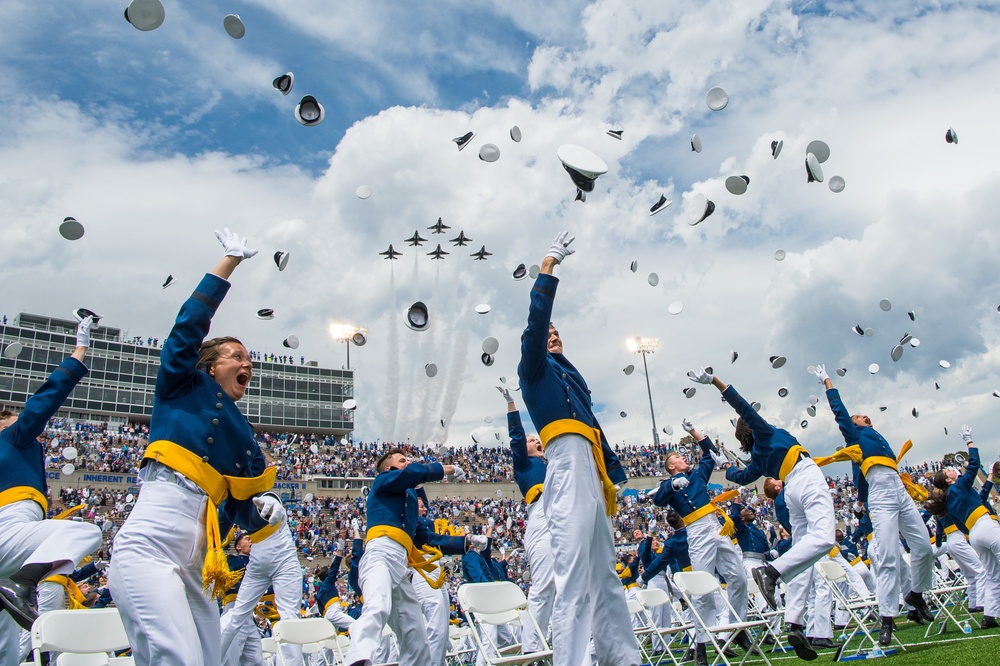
(415, 239)
(482, 254)
(391, 253)
(462, 239)
(439, 227)
(438, 253)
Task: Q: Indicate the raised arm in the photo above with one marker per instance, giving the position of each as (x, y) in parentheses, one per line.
(515, 430)
(972, 468)
(535, 341)
(399, 480)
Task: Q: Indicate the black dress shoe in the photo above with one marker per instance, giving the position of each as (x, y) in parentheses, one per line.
(766, 586)
(20, 601)
(744, 642)
(989, 622)
(700, 655)
(916, 600)
(976, 609)
(914, 616)
(797, 639)
(824, 643)
(885, 633)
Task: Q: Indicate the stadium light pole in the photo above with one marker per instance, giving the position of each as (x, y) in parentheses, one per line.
(348, 333)
(646, 346)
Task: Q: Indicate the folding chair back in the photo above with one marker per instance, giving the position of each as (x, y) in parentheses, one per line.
(78, 631)
(491, 598)
(696, 583)
(303, 631)
(92, 659)
(498, 603)
(651, 597)
(830, 572)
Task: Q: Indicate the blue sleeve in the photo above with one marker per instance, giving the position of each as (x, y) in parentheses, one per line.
(734, 515)
(243, 513)
(939, 532)
(104, 600)
(984, 494)
(707, 463)
(661, 561)
(971, 469)
(760, 428)
(847, 427)
(411, 476)
(46, 401)
(518, 441)
(357, 551)
(335, 565)
(747, 475)
(448, 545)
(860, 482)
(422, 494)
(472, 568)
(328, 588)
(535, 342)
(646, 551)
(663, 493)
(83, 573)
(179, 356)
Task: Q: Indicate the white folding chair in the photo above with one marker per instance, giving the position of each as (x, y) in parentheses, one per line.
(696, 584)
(307, 632)
(85, 631)
(948, 598)
(757, 608)
(495, 603)
(861, 611)
(269, 647)
(460, 652)
(667, 637)
(92, 659)
(338, 646)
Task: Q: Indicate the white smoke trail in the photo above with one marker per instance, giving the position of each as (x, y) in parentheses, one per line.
(390, 406)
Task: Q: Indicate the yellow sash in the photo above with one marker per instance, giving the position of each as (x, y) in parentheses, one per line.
(263, 533)
(791, 458)
(418, 560)
(915, 491)
(976, 514)
(851, 453)
(950, 529)
(534, 492)
(593, 435)
(728, 529)
(18, 493)
(856, 561)
(834, 551)
(335, 600)
(73, 592)
(68, 512)
(215, 573)
(871, 461)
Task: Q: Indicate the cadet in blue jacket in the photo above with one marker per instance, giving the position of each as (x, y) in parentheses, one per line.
(892, 512)
(776, 454)
(383, 573)
(202, 451)
(955, 496)
(32, 548)
(529, 474)
(750, 538)
(579, 493)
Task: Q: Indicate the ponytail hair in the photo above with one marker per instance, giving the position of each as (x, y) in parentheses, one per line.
(937, 502)
(745, 435)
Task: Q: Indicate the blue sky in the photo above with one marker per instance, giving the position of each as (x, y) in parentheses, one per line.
(155, 139)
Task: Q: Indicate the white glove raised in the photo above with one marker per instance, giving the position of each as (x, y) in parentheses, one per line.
(559, 249)
(270, 509)
(680, 483)
(700, 376)
(687, 425)
(773, 554)
(355, 525)
(101, 565)
(505, 392)
(458, 474)
(820, 372)
(641, 582)
(858, 507)
(476, 541)
(233, 245)
(719, 459)
(83, 332)
(967, 434)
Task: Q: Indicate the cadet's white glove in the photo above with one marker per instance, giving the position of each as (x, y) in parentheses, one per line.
(820, 372)
(858, 507)
(680, 483)
(687, 425)
(505, 392)
(459, 474)
(101, 565)
(652, 524)
(233, 245)
(719, 459)
(83, 332)
(700, 376)
(773, 554)
(476, 541)
(559, 249)
(270, 509)
(355, 525)
(641, 582)
(967, 434)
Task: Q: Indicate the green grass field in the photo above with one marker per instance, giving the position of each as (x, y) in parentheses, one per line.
(952, 648)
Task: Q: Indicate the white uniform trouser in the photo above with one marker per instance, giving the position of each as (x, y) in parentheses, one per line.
(810, 512)
(155, 579)
(434, 606)
(542, 594)
(389, 599)
(818, 607)
(712, 552)
(337, 616)
(893, 513)
(969, 564)
(273, 562)
(663, 614)
(589, 595)
(50, 596)
(984, 537)
(866, 576)
(26, 538)
(750, 563)
(246, 649)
